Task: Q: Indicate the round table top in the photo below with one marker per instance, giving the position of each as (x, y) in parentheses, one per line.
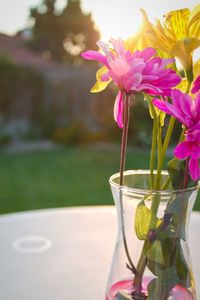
(64, 254)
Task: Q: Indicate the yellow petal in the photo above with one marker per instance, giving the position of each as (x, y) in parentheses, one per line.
(197, 68)
(177, 23)
(183, 50)
(130, 44)
(143, 38)
(182, 85)
(194, 22)
(164, 41)
(100, 85)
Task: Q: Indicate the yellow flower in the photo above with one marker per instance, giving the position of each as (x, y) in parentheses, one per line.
(180, 35)
(142, 39)
(146, 38)
(197, 68)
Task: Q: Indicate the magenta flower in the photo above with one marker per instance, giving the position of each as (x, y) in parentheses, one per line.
(133, 72)
(196, 85)
(183, 108)
(190, 148)
(186, 111)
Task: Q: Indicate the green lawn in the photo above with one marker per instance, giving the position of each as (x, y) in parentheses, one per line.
(65, 177)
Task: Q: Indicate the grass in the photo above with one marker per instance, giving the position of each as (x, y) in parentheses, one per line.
(60, 178)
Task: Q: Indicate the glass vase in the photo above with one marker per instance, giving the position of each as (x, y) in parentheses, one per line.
(151, 259)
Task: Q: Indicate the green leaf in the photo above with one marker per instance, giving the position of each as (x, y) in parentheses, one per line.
(156, 290)
(159, 288)
(177, 207)
(155, 252)
(143, 218)
(180, 225)
(165, 255)
(176, 169)
(122, 296)
(175, 204)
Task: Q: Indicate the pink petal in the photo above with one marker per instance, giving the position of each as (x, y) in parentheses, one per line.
(137, 66)
(128, 56)
(153, 65)
(160, 104)
(187, 106)
(149, 89)
(196, 153)
(149, 78)
(146, 54)
(197, 107)
(172, 110)
(135, 81)
(167, 78)
(118, 46)
(118, 109)
(105, 49)
(196, 85)
(105, 77)
(167, 61)
(194, 169)
(183, 150)
(95, 55)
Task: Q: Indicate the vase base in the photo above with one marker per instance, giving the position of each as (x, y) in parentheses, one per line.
(124, 289)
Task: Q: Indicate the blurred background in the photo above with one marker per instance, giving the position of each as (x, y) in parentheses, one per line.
(58, 143)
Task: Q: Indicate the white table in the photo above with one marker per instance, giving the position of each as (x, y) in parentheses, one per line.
(63, 254)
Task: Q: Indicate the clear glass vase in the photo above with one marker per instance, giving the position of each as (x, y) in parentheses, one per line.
(151, 258)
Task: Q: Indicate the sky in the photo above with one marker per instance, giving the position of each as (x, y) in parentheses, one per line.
(116, 18)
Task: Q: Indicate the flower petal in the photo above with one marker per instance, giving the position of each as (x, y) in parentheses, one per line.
(196, 85)
(146, 54)
(194, 169)
(183, 150)
(95, 55)
(197, 106)
(118, 109)
(177, 21)
(161, 105)
(100, 85)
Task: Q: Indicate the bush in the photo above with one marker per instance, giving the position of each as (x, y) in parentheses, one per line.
(73, 134)
(5, 139)
(76, 133)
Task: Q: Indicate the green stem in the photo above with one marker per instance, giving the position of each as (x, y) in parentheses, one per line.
(166, 184)
(122, 166)
(164, 149)
(141, 267)
(188, 87)
(154, 142)
(160, 156)
(182, 135)
(190, 76)
(153, 153)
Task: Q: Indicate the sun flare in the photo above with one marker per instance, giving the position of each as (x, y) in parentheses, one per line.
(115, 21)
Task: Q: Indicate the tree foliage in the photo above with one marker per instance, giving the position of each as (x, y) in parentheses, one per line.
(62, 36)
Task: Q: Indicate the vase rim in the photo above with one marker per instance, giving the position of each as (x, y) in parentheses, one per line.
(142, 190)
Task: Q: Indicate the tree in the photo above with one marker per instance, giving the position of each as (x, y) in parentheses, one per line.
(62, 36)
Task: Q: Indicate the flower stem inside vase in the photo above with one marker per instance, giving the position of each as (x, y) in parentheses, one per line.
(130, 264)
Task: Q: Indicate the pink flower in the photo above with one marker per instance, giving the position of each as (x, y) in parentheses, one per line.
(133, 72)
(190, 148)
(186, 111)
(196, 85)
(183, 108)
